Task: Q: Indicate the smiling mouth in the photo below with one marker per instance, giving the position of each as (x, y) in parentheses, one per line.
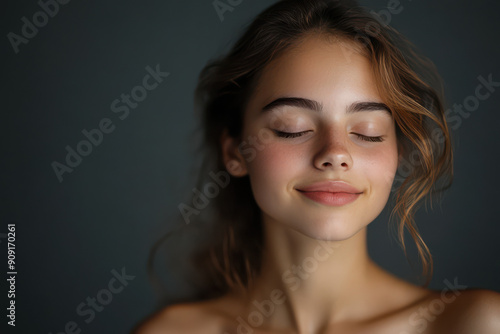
(330, 198)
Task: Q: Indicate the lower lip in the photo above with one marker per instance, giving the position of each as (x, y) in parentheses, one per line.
(331, 199)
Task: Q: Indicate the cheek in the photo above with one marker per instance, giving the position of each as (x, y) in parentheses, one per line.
(271, 171)
(380, 168)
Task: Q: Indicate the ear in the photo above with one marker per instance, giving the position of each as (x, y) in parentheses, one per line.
(231, 156)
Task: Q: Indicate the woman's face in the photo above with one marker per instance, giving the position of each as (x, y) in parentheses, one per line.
(292, 144)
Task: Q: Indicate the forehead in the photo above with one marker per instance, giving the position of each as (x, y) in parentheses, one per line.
(318, 68)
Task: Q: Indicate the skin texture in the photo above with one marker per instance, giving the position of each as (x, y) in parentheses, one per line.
(317, 276)
(331, 149)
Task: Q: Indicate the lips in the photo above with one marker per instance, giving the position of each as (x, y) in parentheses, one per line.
(330, 187)
(331, 193)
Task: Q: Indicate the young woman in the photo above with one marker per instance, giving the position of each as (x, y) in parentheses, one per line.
(306, 122)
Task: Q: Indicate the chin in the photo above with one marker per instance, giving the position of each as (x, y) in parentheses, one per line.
(329, 230)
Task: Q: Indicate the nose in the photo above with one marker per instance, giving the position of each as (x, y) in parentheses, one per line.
(333, 153)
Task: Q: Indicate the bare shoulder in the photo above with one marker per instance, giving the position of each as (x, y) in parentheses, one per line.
(473, 311)
(196, 317)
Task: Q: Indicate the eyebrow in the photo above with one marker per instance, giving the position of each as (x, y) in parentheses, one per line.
(317, 106)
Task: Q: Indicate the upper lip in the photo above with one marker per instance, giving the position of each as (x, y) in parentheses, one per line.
(331, 186)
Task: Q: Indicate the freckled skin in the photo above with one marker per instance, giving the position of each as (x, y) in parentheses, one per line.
(320, 71)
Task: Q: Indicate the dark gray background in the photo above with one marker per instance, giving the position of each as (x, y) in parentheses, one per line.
(107, 213)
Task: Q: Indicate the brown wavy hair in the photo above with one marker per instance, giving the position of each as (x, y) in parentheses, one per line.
(409, 85)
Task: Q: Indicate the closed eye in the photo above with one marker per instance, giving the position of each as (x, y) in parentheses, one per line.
(283, 134)
(370, 139)
(290, 134)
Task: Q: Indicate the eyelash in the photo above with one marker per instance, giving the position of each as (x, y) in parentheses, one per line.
(298, 134)
(289, 134)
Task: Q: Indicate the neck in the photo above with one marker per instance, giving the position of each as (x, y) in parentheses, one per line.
(310, 283)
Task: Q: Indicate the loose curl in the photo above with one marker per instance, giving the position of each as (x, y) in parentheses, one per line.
(409, 85)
